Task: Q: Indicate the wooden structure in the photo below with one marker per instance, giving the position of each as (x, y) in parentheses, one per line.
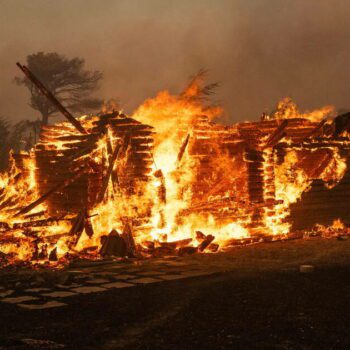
(236, 179)
(62, 152)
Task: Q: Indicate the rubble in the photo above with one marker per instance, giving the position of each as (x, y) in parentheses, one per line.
(113, 245)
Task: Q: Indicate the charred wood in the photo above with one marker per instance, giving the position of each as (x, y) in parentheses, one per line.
(113, 245)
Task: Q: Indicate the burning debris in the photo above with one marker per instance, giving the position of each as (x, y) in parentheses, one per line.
(168, 180)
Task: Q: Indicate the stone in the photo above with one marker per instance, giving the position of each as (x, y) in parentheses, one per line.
(172, 277)
(151, 273)
(124, 277)
(20, 299)
(59, 294)
(88, 289)
(117, 285)
(47, 305)
(5, 293)
(145, 280)
(37, 290)
(73, 285)
(97, 281)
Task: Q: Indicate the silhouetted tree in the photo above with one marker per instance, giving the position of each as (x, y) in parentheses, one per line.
(66, 79)
(4, 143)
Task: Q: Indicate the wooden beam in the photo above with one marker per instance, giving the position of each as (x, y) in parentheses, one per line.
(182, 149)
(277, 135)
(48, 94)
(109, 173)
(114, 175)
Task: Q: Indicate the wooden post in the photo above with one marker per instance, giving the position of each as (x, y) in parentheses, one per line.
(109, 173)
(182, 149)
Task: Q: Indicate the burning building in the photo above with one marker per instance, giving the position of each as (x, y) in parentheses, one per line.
(169, 180)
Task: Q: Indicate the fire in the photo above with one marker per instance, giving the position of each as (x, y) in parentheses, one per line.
(287, 109)
(169, 175)
(173, 118)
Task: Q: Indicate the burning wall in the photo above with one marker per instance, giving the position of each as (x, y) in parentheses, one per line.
(61, 153)
(183, 183)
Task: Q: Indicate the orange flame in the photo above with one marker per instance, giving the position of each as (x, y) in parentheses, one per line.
(169, 200)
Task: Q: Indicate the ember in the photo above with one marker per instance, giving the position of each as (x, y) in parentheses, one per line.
(168, 180)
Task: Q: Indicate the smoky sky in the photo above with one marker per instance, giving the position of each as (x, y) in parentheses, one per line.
(259, 50)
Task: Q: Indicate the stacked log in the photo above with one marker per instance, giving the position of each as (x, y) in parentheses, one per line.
(217, 150)
(259, 145)
(269, 184)
(256, 177)
(314, 152)
(57, 163)
(321, 205)
(298, 129)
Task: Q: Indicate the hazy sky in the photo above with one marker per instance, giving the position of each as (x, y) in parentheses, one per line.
(260, 50)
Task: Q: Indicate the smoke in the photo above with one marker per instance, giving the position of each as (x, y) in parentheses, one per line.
(259, 50)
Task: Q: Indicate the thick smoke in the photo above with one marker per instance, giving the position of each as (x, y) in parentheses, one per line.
(260, 50)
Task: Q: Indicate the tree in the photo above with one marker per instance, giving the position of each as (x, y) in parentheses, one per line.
(66, 78)
(4, 143)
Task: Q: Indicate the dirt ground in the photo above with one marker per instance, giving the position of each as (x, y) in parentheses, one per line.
(258, 300)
